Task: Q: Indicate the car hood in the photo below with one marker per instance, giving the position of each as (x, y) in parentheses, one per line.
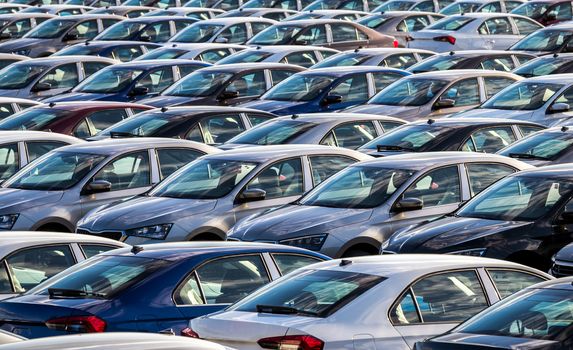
(142, 211)
(13, 200)
(565, 254)
(405, 112)
(19, 44)
(79, 96)
(170, 101)
(447, 233)
(493, 113)
(297, 220)
(468, 341)
(277, 107)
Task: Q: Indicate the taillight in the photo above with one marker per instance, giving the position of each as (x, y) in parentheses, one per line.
(395, 43)
(78, 324)
(188, 332)
(292, 342)
(447, 38)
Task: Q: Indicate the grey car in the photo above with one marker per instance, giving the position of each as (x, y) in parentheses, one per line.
(40, 78)
(58, 10)
(16, 25)
(304, 56)
(233, 30)
(358, 209)
(384, 57)
(199, 13)
(206, 198)
(126, 11)
(345, 130)
(436, 94)
(206, 52)
(55, 191)
(276, 14)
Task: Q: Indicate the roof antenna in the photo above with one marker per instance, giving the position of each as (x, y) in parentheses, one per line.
(555, 55)
(163, 109)
(136, 249)
(431, 121)
(174, 45)
(565, 128)
(452, 53)
(294, 116)
(345, 262)
(52, 104)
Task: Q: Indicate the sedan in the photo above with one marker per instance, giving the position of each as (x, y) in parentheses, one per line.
(474, 31)
(14, 26)
(546, 12)
(384, 302)
(304, 56)
(123, 51)
(467, 6)
(234, 30)
(504, 61)
(545, 65)
(553, 39)
(206, 52)
(355, 211)
(384, 57)
(547, 147)
(147, 29)
(276, 14)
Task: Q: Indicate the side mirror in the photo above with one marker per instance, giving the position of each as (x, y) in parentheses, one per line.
(551, 16)
(566, 217)
(559, 108)
(301, 42)
(97, 186)
(408, 204)
(42, 87)
(444, 103)
(70, 37)
(145, 38)
(221, 40)
(252, 195)
(332, 99)
(139, 91)
(5, 36)
(227, 95)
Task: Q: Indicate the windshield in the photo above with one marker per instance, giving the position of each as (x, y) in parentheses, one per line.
(18, 76)
(204, 179)
(162, 54)
(460, 7)
(276, 35)
(409, 92)
(246, 56)
(343, 59)
(395, 6)
(542, 66)
(143, 124)
(54, 172)
(309, 292)
(532, 9)
(197, 33)
(323, 5)
(109, 80)
(50, 29)
(517, 198)
(298, 88)
(523, 96)
(543, 145)
(357, 187)
(543, 40)
(199, 84)
(374, 21)
(31, 119)
(451, 23)
(413, 138)
(435, 63)
(121, 31)
(274, 132)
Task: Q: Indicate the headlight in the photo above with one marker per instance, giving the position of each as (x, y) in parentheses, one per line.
(8, 221)
(22, 52)
(313, 242)
(153, 232)
(470, 252)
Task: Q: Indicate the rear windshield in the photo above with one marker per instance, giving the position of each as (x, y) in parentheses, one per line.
(451, 23)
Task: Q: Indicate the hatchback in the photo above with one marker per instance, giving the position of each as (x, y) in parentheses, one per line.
(123, 51)
(147, 29)
(551, 146)
(304, 56)
(233, 30)
(504, 61)
(14, 26)
(546, 12)
(206, 52)
(545, 65)
(467, 6)
(384, 57)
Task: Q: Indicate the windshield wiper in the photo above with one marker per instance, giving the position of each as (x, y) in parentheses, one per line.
(527, 156)
(382, 148)
(121, 134)
(283, 310)
(73, 293)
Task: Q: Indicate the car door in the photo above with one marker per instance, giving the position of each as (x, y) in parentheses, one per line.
(233, 34)
(85, 30)
(247, 86)
(57, 80)
(313, 35)
(345, 36)
(158, 32)
(152, 83)
(217, 129)
(350, 135)
(347, 92)
(460, 96)
(497, 33)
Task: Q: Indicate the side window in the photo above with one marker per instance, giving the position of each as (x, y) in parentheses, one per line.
(180, 25)
(32, 266)
(496, 26)
(212, 56)
(493, 85)
(104, 119)
(438, 187)
(235, 34)
(108, 22)
(481, 175)
(219, 129)
(157, 80)
(281, 179)
(413, 24)
(17, 28)
(463, 93)
(95, 249)
(560, 12)
(508, 282)
(92, 67)
(5, 284)
(504, 64)
(404, 312)
(189, 293)
(323, 167)
(510, 5)
(353, 89)
(493, 7)
(37, 149)
(6, 110)
(128, 171)
(566, 97)
(354, 135)
(326, 54)
(126, 54)
(171, 159)
(287, 262)
(156, 33)
(278, 75)
(382, 80)
(185, 70)
(343, 32)
(402, 61)
(251, 84)
(9, 160)
(86, 30)
(313, 35)
(425, 6)
(303, 59)
(387, 126)
(64, 76)
(82, 130)
(257, 119)
(526, 130)
(525, 26)
(490, 140)
(523, 59)
(449, 297)
(258, 27)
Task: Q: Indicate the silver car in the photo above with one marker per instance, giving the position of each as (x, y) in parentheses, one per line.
(358, 209)
(436, 94)
(300, 55)
(232, 30)
(384, 57)
(206, 198)
(55, 191)
(206, 52)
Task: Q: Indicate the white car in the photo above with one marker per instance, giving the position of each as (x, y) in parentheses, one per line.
(383, 302)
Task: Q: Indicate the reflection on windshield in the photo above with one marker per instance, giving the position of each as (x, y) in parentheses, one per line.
(523, 96)
(31, 119)
(50, 29)
(109, 81)
(122, 30)
(532, 9)
(436, 63)
(395, 6)
(413, 138)
(543, 145)
(276, 35)
(18, 76)
(409, 92)
(299, 88)
(460, 7)
(198, 84)
(273, 133)
(543, 40)
(143, 124)
(343, 59)
(197, 33)
(451, 23)
(541, 66)
(246, 56)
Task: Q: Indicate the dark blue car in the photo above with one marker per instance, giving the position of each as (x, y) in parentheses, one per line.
(131, 81)
(149, 288)
(326, 89)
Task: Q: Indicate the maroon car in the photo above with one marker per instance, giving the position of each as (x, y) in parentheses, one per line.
(80, 119)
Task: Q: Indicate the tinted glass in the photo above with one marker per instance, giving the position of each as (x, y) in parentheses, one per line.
(410, 92)
(437, 187)
(411, 138)
(508, 282)
(104, 119)
(281, 179)
(17, 76)
(299, 88)
(273, 133)
(523, 96)
(37, 149)
(109, 80)
(543, 40)
(543, 146)
(354, 135)
(125, 172)
(198, 84)
(9, 160)
(481, 175)
(287, 263)
(323, 167)
(171, 159)
(220, 129)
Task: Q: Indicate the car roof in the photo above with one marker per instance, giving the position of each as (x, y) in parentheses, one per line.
(334, 12)
(159, 63)
(553, 78)
(153, 19)
(87, 16)
(340, 71)
(20, 15)
(488, 15)
(308, 22)
(471, 121)
(560, 171)
(232, 20)
(7, 136)
(338, 117)
(565, 283)
(477, 53)
(107, 43)
(263, 154)
(564, 26)
(11, 55)
(183, 110)
(78, 106)
(239, 67)
(454, 74)
(118, 146)
(387, 50)
(64, 60)
(288, 48)
(194, 46)
(404, 13)
(18, 100)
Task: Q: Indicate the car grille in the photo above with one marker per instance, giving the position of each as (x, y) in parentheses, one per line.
(560, 270)
(116, 235)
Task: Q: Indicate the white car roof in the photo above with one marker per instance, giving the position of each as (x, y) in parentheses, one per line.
(27, 135)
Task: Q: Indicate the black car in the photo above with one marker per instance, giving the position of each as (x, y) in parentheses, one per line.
(451, 134)
(147, 29)
(551, 64)
(548, 147)
(504, 61)
(123, 51)
(526, 218)
(563, 262)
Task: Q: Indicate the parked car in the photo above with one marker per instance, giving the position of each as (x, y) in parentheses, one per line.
(11, 105)
(546, 12)
(79, 119)
(147, 29)
(562, 262)
(547, 147)
(54, 192)
(225, 5)
(123, 51)
(431, 295)
(435, 94)
(57, 33)
(474, 31)
(11, 7)
(9, 58)
(332, 33)
(153, 3)
(349, 15)
(14, 26)
(131, 81)
(385, 57)
(94, 3)
(345, 130)
(553, 39)
(537, 318)
(504, 61)
(198, 13)
(205, 124)
(358, 5)
(545, 65)
(58, 10)
(400, 24)
(40, 78)
(206, 52)
(126, 11)
(224, 85)
(412, 6)
(467, 6)
(355, 211)
(234, 30)
(304, 56)
(326, 89)
(237, 184)
(276, 14)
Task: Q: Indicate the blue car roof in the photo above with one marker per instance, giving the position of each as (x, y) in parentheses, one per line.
(341, 71)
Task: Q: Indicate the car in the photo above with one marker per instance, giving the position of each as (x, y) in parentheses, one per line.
(22, 147)
(545, 65)
(147, 29)
(529, 211)
(349, 15)
(474, 31)
(357, 210)
(199, 13)
(397, 300)
(224, 5)
(11, 105)
(59, 188)
(505, 61)
(345, 130)
(126, 11)
(123, 51)
(332, 33)
(536, 318)
(35, 2)
(14, 26)
(435, 94)
(128, 82)
(545, 100)
(9, 58)
(57, 33)
(58, 10)
(79, 119)
(224, 85)
(562, 265)
(40, 78)
(485, 135)
(94, 3)
(550, 40)
(467, 6)
(546, 12)
(384, 57)
(304, 56)
(211, 125)
(233, 30)
(295, 5)
(161, 4)
(325, 89)
(276, 14)
(412, 5)
(358, 5)
(400, 24)
(206, 52)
